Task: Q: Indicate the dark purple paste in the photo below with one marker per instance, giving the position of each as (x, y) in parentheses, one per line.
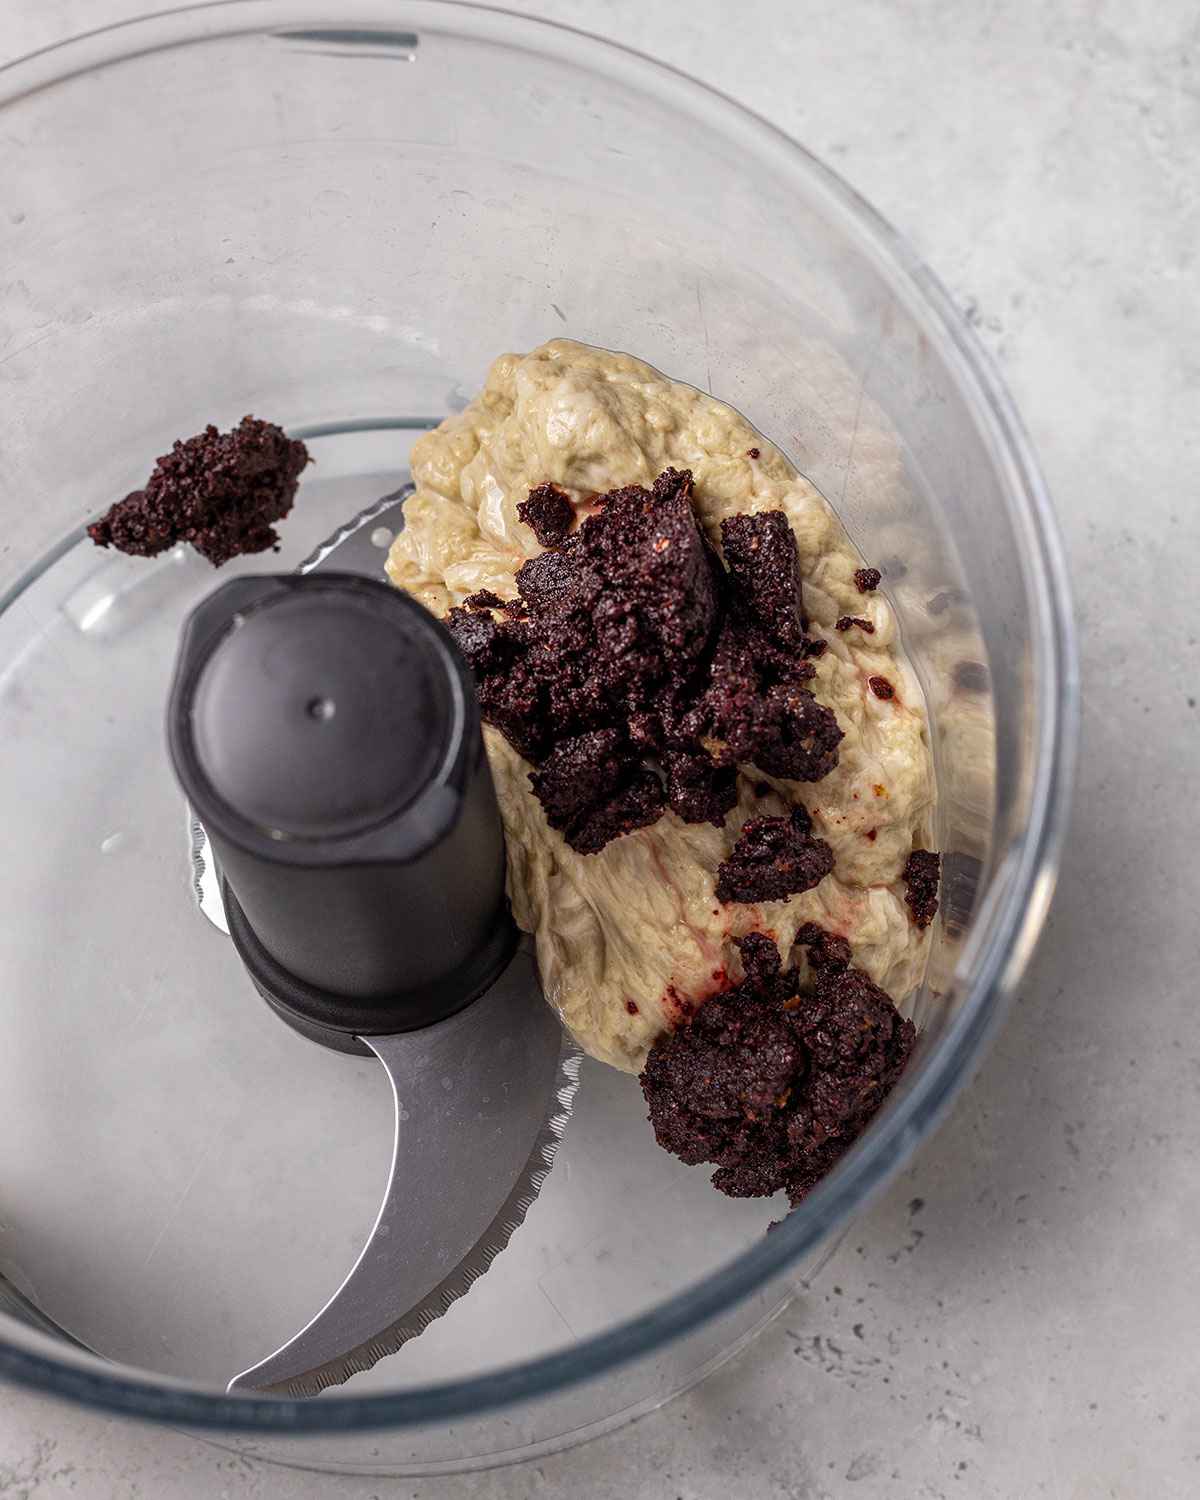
(922, 875)
(220, 491)
(548, 513)
(771, 1084)
(867, 579)
(631, 643)
(774, 858)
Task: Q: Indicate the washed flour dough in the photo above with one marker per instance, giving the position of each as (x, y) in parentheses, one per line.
(625, 935)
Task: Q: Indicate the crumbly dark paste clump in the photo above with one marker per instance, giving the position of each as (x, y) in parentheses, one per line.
(548, 513)
(763, 562)
(220, 491)
(594, 789)
(774, 858)
(867, 579)
(771, 1084)
(922, 874)
(630, 643)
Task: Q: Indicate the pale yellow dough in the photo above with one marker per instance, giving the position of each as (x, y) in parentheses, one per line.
(620, 933)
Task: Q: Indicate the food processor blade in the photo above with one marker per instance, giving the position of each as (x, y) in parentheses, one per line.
(482, 1089)
(481, 1101)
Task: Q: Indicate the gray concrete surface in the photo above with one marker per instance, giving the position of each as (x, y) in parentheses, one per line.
(1017, 1316)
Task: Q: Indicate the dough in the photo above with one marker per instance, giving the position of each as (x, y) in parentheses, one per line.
(631, 938)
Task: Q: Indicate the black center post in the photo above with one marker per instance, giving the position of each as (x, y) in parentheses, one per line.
(326, 733)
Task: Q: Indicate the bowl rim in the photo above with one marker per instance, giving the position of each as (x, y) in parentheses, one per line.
(1016, 923)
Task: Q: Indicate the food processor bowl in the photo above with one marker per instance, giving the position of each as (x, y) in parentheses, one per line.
(334, 217)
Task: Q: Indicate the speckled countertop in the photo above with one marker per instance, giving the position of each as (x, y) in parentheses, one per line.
(1017, 1316)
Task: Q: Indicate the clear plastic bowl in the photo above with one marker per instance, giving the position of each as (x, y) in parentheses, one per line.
(334, 216)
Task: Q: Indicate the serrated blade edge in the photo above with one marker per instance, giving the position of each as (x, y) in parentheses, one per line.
(421, 1210)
